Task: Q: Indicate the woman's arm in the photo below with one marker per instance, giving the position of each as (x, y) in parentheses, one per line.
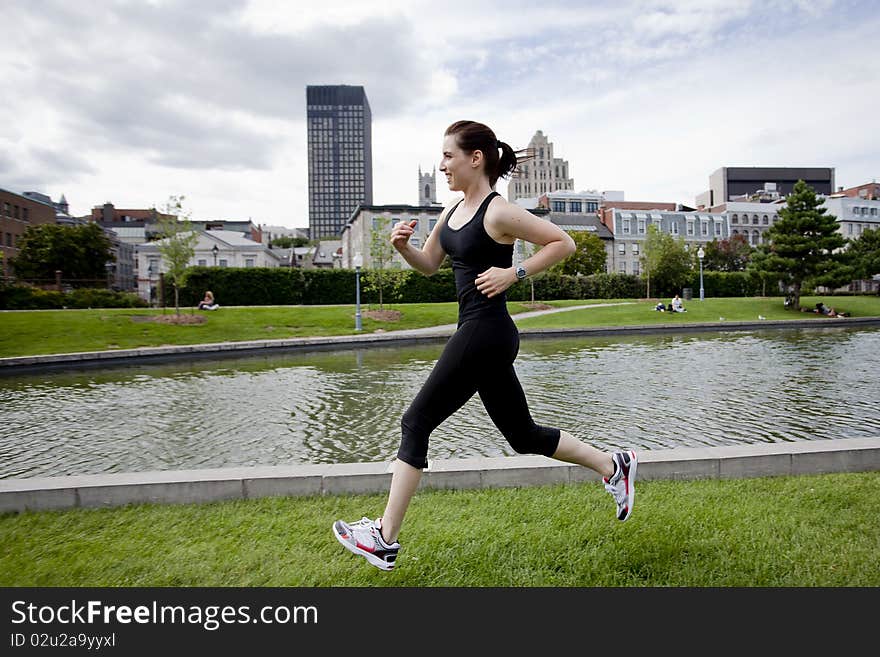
(507, 222)
(428, 259)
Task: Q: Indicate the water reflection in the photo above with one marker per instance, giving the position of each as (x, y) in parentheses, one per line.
(345, 406)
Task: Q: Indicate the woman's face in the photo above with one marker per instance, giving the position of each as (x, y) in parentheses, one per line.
(459, 167)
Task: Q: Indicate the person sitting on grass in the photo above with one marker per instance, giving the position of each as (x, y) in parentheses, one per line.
(677, 305)
(208, 302)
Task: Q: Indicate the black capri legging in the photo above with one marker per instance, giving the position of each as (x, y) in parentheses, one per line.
(478, 358)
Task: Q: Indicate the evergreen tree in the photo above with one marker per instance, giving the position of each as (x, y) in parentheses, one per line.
(803, 248)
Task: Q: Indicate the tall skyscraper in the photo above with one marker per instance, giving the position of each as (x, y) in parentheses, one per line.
(340, 156)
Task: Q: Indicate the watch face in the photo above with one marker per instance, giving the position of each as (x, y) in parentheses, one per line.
(520, 272)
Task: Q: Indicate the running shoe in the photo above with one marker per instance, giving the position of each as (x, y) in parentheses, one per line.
(364, 537)
(621, 485)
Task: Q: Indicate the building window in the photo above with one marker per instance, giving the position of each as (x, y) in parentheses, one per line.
(734, 232)
(690, 228)
(558, 206)
(575, 206)
(622, 267)
(592, 206)
(224, 262)
(24, 213)
(717, 229)
(704, 228)
(641, 226)
(621, 248)
(755, 236)
(636, 268)
(249, 262)
(734, 219)
(203, 263)
(635, 248)
(673, 228)
(415, 242)
(9, 239)
(765, 220)
(431, 224)
(755, 219)
(626, 226)
(849, 229)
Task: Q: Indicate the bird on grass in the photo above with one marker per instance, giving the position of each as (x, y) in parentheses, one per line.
(761, 317)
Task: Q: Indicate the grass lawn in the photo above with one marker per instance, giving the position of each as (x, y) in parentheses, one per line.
(778, 531)
(28, 333)
(735, 309)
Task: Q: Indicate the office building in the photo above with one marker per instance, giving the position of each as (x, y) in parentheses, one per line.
(340, 156)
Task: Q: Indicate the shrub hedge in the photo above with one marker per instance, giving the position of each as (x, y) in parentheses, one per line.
(25, 297)
(282, 286)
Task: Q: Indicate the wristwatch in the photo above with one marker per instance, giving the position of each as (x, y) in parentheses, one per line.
(520, 273)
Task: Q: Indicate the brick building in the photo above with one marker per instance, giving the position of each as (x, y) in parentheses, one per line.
(17, 212)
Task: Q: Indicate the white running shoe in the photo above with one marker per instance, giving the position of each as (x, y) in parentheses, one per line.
(364, 537)
(621, 485)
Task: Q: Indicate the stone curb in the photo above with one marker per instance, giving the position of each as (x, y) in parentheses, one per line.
(12, 365)
(200, 486)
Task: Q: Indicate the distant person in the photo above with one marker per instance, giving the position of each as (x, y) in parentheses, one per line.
(677, 305)
(208, 302)
(661, 307)
(478, 234)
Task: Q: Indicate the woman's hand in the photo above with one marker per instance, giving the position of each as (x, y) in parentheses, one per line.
(495, 280)
(401, 233)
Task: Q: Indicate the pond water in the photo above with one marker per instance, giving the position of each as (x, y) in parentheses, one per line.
(648, 392)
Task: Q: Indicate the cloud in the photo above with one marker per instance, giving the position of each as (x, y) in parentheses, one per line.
(187, 84)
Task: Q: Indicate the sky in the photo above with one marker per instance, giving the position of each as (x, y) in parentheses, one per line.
(132, 102)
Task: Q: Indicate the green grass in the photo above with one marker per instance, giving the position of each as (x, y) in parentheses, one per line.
(63, 331)
(781, 531)
(735, 309)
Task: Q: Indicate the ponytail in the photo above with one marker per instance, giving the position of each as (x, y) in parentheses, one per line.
(472, 136)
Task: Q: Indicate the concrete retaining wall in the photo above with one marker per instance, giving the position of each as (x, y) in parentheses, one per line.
(197, 486)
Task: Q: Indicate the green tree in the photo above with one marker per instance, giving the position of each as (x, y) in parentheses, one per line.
(665, 260)
(287, 242)
(176, 244)
(79, 252)
(864, 252)
(732, 254)
(804, 246)
(380, 277)
(589, 256)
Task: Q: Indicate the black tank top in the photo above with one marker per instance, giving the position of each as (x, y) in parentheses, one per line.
(472, 252)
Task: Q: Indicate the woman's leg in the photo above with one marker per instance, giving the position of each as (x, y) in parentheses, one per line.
(404, 482)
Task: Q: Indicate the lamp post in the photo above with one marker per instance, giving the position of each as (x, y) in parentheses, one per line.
(701, 254)
(215, 251)
(150, 284)
(358, 263)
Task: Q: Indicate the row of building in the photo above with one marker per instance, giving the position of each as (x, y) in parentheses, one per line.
(622, 226)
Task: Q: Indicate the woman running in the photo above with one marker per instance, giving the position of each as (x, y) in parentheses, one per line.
(478, 234)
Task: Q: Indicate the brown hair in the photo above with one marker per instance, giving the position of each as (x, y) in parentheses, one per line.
(472, 136)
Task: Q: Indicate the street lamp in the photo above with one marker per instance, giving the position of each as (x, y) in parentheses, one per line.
(215, 251)
(358, 263)
(701, 254)
(150, 284)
